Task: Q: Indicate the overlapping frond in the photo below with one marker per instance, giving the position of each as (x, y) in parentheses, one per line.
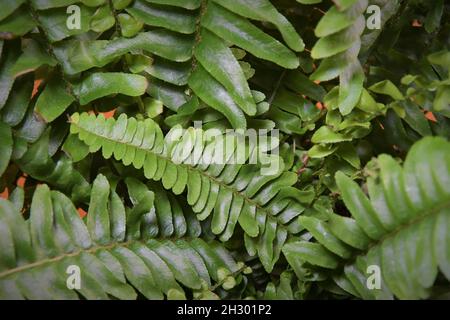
(184, 51)
(124, 109)
(403, 229)
(264, 205)
(39, 254)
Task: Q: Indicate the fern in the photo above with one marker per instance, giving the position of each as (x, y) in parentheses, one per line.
(113, 259)
(102, 156)
(339, 44)
(403, 229)
(190, 42)
(262, 205)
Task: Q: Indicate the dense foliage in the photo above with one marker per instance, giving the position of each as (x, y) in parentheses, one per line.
(96, 173)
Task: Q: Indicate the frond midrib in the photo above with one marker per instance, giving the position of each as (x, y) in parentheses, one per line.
(428, 213)
(192, 168)
(60, 257)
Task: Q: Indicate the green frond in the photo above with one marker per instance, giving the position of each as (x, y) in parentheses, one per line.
(342, 33)
(403, 229)
(265, 206)
(224, 149)
(38, 254)
(61, 174)
(191, 39)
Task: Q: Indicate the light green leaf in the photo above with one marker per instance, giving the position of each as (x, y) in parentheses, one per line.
(325, 135)
(386, 87)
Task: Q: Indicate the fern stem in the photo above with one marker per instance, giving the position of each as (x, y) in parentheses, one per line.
(191, 168)
(63, 256)
(393, 233)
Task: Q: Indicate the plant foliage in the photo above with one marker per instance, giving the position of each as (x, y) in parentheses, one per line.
(101, 152)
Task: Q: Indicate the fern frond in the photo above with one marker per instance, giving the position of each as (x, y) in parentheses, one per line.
(339, 31)
(124, 109)
(36, 161)
(403, 229)
(265, 206)
(190, 39)
(36, 254)
(166, 217)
